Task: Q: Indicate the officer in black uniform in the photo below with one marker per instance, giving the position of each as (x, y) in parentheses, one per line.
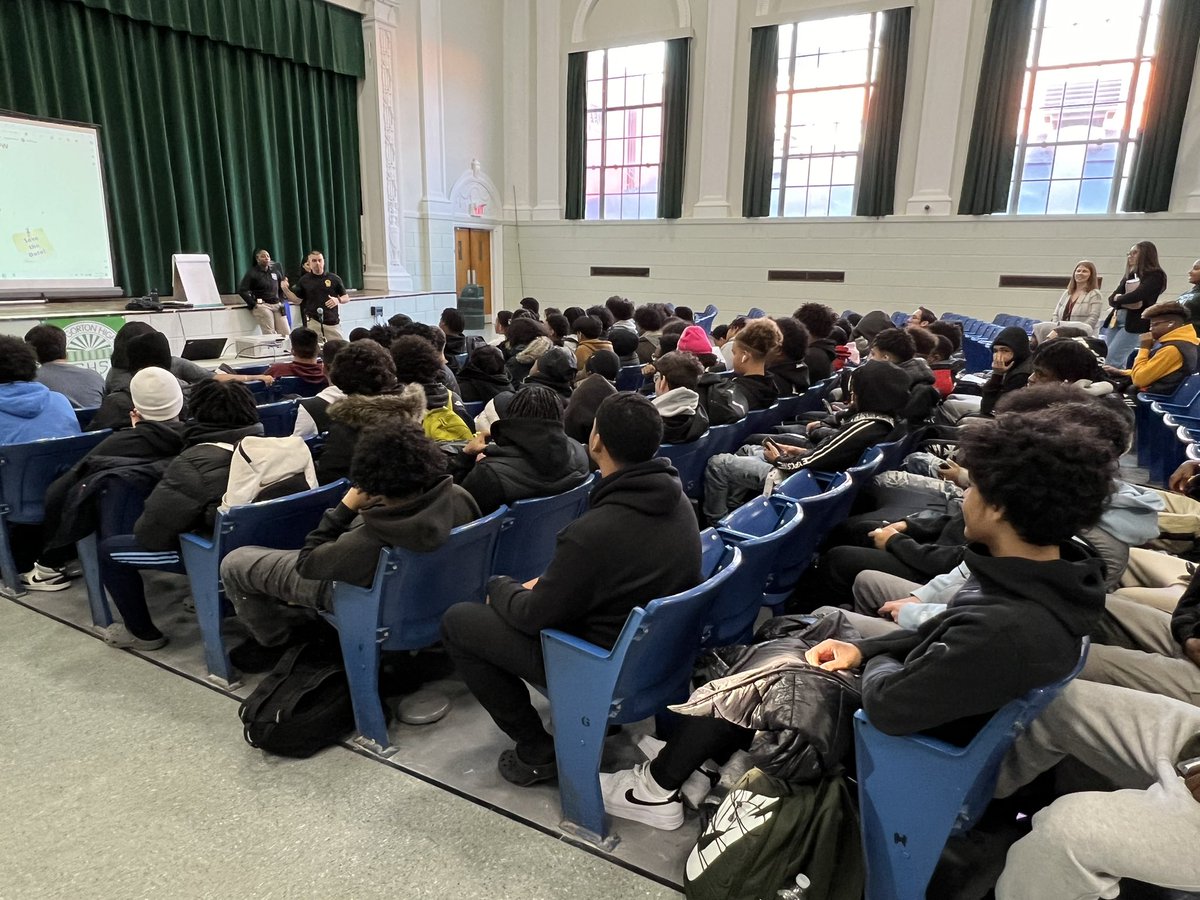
(264, 288)
(320, 294)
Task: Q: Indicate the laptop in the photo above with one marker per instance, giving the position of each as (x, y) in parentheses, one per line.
(204, 348)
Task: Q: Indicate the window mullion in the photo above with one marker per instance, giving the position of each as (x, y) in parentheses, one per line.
(787, 125)
(1114, 191)
(1023, 138)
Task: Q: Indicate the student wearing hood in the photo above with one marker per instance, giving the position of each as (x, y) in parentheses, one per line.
(868, 327)
(484, 376)
(675, 397)
(1012, 364)
(527, 455)
(553, 369)
(599, 381)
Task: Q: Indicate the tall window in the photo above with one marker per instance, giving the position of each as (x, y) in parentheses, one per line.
(624, 132)
(1083, 101)
(826, 72)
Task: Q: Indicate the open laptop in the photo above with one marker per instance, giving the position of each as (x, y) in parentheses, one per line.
(204, 348)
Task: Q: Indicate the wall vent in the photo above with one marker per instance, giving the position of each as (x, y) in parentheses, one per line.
(620, 271)
(806, 275)
(1047, 282)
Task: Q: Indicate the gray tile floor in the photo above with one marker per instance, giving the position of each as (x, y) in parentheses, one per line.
(122, 779)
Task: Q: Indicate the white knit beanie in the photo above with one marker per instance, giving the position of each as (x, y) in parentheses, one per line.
(156, 394)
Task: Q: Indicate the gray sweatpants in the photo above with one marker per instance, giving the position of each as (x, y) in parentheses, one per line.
(1158, 667)
(730, 479)
(1083, 844)
(269, 595)
(873, 589)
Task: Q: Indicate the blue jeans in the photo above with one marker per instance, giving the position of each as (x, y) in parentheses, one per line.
(730, 479)
(1120, 344)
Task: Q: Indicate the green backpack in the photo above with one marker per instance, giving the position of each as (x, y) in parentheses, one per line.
(444, 424)
(767, 831)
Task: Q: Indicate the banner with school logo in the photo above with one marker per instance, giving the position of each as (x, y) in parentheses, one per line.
(90, 341)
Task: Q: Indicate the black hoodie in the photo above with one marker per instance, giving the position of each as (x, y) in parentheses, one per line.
(479, 387)
(790, 378)
(191, 489)
(1017, 376)
(819, 358)
(345, 545)
(580, 413)
(1015, 625)
(527, 458)
(637, 541)
(760, 390)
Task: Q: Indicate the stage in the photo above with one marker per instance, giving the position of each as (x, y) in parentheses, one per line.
(92, 324)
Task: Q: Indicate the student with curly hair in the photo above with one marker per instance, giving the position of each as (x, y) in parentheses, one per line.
(401, 497)
(754, 388)
(786, 365)
(649, 320)
(819, 319)
(1018, 623)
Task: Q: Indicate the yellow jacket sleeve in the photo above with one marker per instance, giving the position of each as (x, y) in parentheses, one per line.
(1148, 369)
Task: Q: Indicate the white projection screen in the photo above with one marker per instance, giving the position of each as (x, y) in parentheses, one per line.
(54, 235)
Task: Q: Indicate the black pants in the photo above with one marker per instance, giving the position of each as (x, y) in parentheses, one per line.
(27, 543)
(698, 738)
(495, 660)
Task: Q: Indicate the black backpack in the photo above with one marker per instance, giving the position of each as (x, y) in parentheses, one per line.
(722, 399)
(302, 706)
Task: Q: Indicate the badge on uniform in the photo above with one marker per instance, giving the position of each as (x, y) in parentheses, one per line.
(275, 275)
(328, 283)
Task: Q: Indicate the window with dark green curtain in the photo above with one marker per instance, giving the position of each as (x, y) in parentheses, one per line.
(674, 136)
(760, 122)
(576, 132)
(209, 147)
(992, 150)
(881, 143)
(1166, 106)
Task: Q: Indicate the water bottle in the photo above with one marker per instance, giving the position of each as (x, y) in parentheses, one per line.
(797, 892)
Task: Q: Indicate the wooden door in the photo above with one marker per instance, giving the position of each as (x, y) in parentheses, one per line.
(473, 262)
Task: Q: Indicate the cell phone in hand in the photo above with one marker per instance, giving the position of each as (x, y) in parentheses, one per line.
(944, 466)
(226, 368)
(1188, 767)
(767, 442)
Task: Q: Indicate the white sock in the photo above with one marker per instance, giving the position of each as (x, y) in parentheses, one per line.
(651, 788)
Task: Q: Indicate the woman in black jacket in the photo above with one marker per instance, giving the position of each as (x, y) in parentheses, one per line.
(1143, 284)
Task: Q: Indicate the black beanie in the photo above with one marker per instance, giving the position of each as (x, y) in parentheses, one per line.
(623, 340)
(557, 364)
(604, 362)
(147, 350)
(880, 387)
(1015, 339)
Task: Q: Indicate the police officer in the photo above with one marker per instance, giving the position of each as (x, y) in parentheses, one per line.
(264, 288)
(320, 294)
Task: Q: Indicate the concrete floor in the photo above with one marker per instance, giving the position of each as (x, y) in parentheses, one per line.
(122, 779)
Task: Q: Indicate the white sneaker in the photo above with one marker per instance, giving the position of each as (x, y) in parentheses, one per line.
(633, 794)
(43, 578)
(117, 635)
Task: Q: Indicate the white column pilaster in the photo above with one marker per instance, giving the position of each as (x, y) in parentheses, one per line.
(551, 78)
(716, 110)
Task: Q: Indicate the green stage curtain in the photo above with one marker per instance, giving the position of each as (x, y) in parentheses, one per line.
(988, 177)
(1166, 105)
(576, 133)
(208, 147)
(881, 144)
(760, 121)
(675, 116)
(311, 32)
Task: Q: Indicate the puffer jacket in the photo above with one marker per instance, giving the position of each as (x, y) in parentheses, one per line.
(527, 458)
(191, 489)
(350, 416)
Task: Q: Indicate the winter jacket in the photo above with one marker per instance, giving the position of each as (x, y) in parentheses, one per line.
(523, 357)
(819, 358)
(308, 372)
(790, 378)
(1161, 368)
(345, 545)
(1015, 625)
(479, 387)
(918, 371)
(30, 412)
(587, 348)
(760, 390)
(526, 458)
(191, 489)
(684, 419)
(74, 512)
(312, 416)
(349, 417)
(1150, 287)
(439, 401)
(637, 541)
(585, 400)
(1000, 384)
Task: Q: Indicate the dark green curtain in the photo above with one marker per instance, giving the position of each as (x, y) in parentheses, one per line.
(1166, 105)
(760, 121)
(674, 139)
(576, 133)
(990, 156)
(311, 32)
(208, 148)
(881, 144)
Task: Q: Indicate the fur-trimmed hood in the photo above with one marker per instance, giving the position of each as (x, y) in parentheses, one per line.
(360, 411)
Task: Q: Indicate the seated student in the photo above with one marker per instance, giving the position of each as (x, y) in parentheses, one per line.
(436, 339)
(484, 376)
(637, 541)
(1011, 367)
(528, 454)
(503, 317)
(685, 313)
(785, 365)
(530, 305)
(560, 330)
(527, 340)
(597, 382)
(417, 362)
(863, 334)
(624, 343)
(921, 318)
(754, 389)
(554, 369)
(675, 379)
(693, 340)
(897, 345)
(649, 320)
(84, 387)
(940, 364)
(141, 352)
(185, 500)
(726, 342)
(313, 408)
(604, 316)
(1146, 828)
(878, 393)
(1070, 360)
(453, 326)
(588, 331)
(1167, 353)
(1016, 625)
(622, 313)
(366, 373)
(402, 497)
(819, 319)
(185, 370)
(304, 364)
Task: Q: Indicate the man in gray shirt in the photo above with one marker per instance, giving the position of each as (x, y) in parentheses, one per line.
(82, 386)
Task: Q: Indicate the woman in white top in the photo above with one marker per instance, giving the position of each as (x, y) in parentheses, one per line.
(1080, 304)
